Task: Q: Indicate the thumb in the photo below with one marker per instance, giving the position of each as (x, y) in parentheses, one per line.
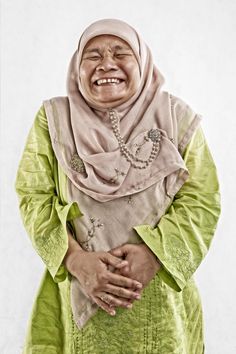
(119, 251)
(114, 261)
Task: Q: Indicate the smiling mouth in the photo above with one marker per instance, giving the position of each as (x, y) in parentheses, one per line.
(110, 81)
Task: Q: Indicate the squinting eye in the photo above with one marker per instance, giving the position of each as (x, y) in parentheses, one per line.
(93, 58)
(123, 55)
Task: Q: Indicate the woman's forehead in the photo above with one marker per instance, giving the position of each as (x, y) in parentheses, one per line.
(104, 41)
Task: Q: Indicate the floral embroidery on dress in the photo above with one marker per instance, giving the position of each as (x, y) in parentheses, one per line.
(130, 200)
(96, 223)
(77, 164)
(47, 245)
(118, 174)
(180, 258)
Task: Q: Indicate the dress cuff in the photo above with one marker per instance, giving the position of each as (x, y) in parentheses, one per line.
(65, 213)
(165, 272)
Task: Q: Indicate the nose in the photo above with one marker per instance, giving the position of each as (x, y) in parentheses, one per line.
(106, 64)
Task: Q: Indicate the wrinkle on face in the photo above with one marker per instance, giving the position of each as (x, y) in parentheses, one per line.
(109, 71)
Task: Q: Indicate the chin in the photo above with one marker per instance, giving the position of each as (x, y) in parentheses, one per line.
(110, 101)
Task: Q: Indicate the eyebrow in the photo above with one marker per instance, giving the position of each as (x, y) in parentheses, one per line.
(91, 50)
(118, 47)
(97, 50)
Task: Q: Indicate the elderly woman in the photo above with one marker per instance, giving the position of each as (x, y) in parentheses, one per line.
(119, 195)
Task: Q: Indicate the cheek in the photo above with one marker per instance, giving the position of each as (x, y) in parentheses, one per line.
(84, 74)
(135, 78)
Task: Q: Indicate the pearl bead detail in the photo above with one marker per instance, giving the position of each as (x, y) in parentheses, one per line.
(154, 135)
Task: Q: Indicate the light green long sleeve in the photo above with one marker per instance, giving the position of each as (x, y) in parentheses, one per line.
(180, 240)
(183, 236)
(43, 213)
(166, 319)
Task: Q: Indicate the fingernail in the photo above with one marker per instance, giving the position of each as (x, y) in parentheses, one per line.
(139, 286)
(112, 313)
(129, 306)
(137, 296)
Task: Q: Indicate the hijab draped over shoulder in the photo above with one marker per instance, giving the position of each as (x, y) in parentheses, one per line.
(83, 137)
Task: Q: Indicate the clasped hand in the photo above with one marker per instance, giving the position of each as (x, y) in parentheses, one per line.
(142, 262)
(133, 268)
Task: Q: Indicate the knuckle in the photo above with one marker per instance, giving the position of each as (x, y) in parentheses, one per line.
(128, 284)
(100, 304)
(120, 292)
(116, 302)
(132, 286)
(102, 277)
(94, 288)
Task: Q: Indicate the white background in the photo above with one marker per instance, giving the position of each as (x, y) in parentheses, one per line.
(193, 43)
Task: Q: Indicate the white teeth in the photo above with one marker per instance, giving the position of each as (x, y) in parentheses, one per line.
(104, 81)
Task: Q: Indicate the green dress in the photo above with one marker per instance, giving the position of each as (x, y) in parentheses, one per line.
(168, 318)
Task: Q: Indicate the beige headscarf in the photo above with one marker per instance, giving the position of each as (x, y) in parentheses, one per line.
(106, 174)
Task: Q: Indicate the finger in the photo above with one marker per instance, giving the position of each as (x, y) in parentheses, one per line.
(114, 301)
(139, 291)
(122, 292)
(118, 252)
(117, 279)
(125, 271)
(103, 305)
(114, 261)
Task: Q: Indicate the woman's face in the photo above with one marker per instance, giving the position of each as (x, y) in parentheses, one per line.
(109, 72)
